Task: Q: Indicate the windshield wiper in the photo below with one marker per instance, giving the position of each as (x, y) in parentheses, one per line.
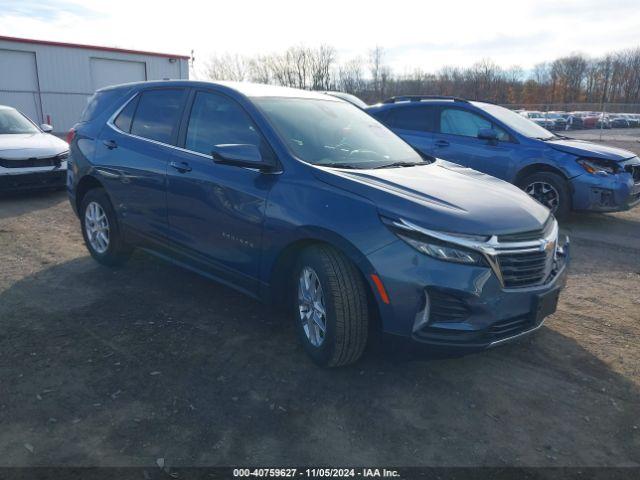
(340, 165)
(402, 164)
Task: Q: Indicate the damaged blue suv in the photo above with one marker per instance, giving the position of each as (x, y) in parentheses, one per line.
(304, 200)
(562, 173)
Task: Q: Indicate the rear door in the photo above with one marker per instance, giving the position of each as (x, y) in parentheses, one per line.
(132, 155)
(457, 141)
(215, 211)
(415, 124)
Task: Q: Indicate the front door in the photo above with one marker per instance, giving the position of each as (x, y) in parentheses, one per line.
(457, 140)
(215, 211)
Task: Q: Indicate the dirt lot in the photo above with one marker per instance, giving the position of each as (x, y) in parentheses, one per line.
(122, 367)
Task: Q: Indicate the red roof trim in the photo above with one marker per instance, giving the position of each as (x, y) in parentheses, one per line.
(91, 47)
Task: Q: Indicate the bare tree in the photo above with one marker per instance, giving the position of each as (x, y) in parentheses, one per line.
(351, 76)
(227, 67)
(376, 67)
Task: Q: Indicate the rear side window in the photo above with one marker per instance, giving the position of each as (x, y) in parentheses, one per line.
(98, 102)
(412, 118)
(123, 121)
(157, 114)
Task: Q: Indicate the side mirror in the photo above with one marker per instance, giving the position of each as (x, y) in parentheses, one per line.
(46, 128)
(239, 155)
(488, 134)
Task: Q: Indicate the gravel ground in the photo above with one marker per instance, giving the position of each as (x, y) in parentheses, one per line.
(124, 367)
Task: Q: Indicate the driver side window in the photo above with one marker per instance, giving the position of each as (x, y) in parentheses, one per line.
(217, 120)
(454, 121)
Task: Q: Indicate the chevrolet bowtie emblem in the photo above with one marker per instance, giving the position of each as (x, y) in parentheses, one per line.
(546, 245)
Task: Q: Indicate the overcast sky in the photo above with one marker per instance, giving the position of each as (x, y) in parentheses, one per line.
(422, 34)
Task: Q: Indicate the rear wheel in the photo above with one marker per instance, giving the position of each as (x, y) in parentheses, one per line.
(100, 229)
(551, 190)
(330, 306)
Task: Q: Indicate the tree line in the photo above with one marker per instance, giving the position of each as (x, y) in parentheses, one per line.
(612, 78)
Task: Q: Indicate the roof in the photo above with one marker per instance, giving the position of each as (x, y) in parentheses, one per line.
(245, 88)
(91, 47)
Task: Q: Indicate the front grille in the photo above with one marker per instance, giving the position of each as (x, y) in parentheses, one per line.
(634, 170)
(523, 269)
(31, 162)
(446, 308)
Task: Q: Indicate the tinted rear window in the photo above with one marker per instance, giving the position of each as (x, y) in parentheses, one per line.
(98, 102)
(412, 118)
(157, 114)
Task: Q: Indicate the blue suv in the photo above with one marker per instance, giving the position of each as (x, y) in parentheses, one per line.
(562, 173)
(303, 200)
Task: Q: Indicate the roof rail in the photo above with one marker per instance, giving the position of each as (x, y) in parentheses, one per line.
(418, 98)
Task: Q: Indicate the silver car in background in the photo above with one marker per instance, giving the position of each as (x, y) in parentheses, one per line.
(30, 157)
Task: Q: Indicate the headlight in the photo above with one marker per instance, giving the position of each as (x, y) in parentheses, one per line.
(437, 248)
(596, 165)
(443, 251)
(63, 155)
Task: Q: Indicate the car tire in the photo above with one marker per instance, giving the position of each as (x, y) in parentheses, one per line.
(549, 189)
(342, 297)
(100, 229)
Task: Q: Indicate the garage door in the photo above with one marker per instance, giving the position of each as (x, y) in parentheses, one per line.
(106, 72)
(19, 82)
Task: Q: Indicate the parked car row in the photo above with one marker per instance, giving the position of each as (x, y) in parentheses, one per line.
(557, 120)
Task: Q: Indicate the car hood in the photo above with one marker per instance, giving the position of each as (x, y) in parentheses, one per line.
(29, 145)
(593, 150)
(443, 196)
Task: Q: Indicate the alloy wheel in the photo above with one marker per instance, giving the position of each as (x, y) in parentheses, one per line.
(545, 193)
(312, 307)
(96, 225)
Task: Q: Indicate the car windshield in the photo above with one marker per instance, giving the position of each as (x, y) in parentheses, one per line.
(13, 122)
(516, 122)
(335, 134)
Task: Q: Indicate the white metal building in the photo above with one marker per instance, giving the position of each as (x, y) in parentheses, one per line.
(51, 81)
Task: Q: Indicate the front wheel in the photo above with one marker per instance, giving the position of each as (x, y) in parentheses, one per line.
(551, 190)
(330, 306)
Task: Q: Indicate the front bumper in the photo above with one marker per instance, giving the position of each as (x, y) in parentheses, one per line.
(467, 305)
(34, 180)
(605, 193)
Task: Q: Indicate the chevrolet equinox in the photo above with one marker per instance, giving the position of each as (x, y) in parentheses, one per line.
(304, 200)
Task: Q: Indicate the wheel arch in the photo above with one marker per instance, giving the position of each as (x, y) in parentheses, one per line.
(283, 264)
(537, 168)
(86, 183)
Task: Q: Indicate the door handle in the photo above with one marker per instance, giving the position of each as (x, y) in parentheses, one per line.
(110, 144)
(182, 167)
(442, 143)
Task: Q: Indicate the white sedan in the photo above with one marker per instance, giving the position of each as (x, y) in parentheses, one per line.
(30, 157)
